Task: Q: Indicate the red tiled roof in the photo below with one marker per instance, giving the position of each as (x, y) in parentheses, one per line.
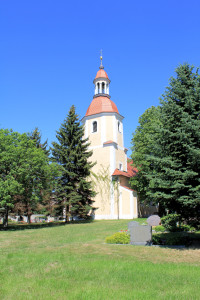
(130, 171)
(101, 74)
(109, 142)
(101, 104)
(127, 188)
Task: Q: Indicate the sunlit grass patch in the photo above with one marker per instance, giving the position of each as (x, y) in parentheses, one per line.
(73, 262)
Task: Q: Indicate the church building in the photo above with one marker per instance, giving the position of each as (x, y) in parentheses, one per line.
(104, 127)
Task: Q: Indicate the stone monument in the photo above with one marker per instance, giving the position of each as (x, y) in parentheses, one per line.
(154, 220)
(140, 234)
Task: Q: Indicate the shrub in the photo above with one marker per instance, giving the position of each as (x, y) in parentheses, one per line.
(118, 238)
(159, 228)
(171, 222)
(171, 239)
(187, 228)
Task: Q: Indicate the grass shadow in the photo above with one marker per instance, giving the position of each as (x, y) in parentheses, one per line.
(177, 239)
(25, 226)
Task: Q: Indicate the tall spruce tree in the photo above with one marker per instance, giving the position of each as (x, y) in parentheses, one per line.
(175, 156)
(74, 189)
(35, 135)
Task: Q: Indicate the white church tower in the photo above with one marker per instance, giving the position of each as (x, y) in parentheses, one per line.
(104, 128)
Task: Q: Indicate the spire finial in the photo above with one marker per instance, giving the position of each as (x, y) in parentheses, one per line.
(101, 58)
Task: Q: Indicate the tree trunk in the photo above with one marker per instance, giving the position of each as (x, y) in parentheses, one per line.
(5, 218)
(29, 218)
(139, 207)
(67, 219)
(67, 214)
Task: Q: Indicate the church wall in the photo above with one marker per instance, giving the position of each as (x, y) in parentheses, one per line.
(94, 137)
(102, 186)
(121, 158)
(102, 201)
(102, 157)
(108, 151)
(135, 205)
(109, 128)
(128, 206)
(119, 132)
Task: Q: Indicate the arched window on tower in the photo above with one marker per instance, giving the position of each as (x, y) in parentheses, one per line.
(94, 126)
(119, 126)
(98, 88)
(103, 88)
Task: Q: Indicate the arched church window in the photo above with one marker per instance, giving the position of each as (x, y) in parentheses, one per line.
(119, 126)
(98, 88)
(106, 91)
(94, 126)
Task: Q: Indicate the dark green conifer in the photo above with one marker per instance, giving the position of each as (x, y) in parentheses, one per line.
(74, 189)
(176, 154)
(36, 137)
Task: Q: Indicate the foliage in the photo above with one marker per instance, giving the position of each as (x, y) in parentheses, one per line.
(33, 173)
(159, 228)
(9, 186)
(171, 239)
(171, 222)
(36, 137)
(186, 228)
(166, 148)
(118, 238)
(175, 157)
(24, 172)
(142, 141)
(74, 189)
(103, 183)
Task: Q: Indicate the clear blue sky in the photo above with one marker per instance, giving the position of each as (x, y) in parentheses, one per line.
(49, 56)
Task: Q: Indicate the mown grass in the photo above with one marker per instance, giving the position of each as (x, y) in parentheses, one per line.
(73, 262)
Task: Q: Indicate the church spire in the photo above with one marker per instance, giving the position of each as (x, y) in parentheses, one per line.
(101, 58)
(101, 81)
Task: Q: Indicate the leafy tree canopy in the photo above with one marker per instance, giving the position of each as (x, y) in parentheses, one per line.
(143, 142)
(24, 171)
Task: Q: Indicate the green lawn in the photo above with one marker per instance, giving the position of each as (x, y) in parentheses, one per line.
(73, 262)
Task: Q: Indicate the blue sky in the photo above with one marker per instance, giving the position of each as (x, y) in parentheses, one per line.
(49, 56)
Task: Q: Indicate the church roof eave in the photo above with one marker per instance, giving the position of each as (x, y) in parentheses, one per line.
(101, 114)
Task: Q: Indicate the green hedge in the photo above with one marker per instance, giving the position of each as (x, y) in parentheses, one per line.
(159, 228)
(171, 239)
(118, 238)
(171, 222)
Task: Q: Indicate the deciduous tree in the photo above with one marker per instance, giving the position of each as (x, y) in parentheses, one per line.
(24, 173)
(143, 144)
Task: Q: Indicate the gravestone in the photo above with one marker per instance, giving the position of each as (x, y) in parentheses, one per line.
(140, 234)
(132, 223)
(154, 220)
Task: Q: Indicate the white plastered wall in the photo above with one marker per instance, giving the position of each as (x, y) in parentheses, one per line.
(109, 156)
